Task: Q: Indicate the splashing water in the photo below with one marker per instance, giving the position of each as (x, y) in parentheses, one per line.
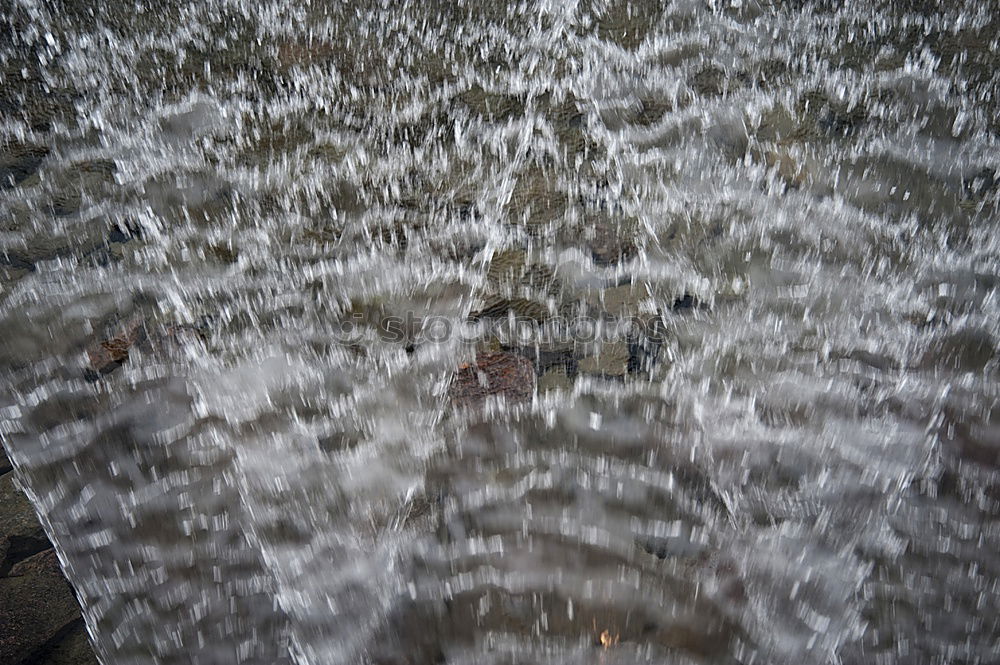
(799, 466)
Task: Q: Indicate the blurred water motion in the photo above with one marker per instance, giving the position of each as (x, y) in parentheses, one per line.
(799, 198)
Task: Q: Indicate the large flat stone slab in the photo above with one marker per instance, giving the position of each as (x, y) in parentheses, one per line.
(20, 533)
(72, 649)
(18, 161)
(37, 609)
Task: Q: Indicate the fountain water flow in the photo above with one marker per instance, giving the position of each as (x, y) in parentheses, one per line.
(255, 262)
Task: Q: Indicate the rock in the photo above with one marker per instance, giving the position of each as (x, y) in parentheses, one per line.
(159, 340)
(776, 125)
(193, 119)
(780, 160)
(556, 378)
(18, 161)
(340, 441)
(180, 334)
(643, 354)
(823, 115)
(968, 349)
(536, 201)
(508, 375)
(80, 184)
(110, 354)
(625, 23)
(564, 111)
(765, 75)
(710, 81)
(613, 244)
(494, 107)
(41, 106)
(21, 535)
(645, 342)
(981, 183)
(651, 110)
(37, 249)
(687, 303)
(37, 610)
(547, 354)
(507, 266)
(9, 275)
(569, 122)
(269, 140)
(202, 196)
(73, 648)
(497, 308)
(95, 171)
(296, 53)
(94, 176)
(619, 301)
(5, 464)
(224, 253)
(391, 325)
(66, 203)
(19, 215)
(89, 240)
(40, 563)
(612, 360)
(513, 268)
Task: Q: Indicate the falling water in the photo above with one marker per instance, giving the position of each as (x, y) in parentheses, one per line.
(795, 461)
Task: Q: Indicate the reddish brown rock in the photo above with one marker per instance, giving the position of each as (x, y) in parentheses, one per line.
(504, 374)
(160, 340)
(108, 355)
(180, 334)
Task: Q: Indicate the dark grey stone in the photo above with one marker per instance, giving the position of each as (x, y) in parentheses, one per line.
(18, 161)
(20, 533)
(37, 609)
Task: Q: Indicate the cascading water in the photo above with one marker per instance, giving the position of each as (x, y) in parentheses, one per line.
(228, 226)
